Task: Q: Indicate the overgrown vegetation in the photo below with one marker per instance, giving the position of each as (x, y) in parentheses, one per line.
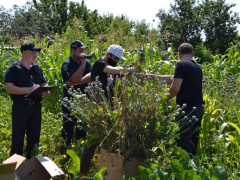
(219, 147)
(208, 22)
(218, 155)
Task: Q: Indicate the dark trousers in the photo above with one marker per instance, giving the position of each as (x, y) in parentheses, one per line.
(190, 129)
(25, 119)
(69, 124)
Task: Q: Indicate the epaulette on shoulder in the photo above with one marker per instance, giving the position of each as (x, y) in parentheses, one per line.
(17, 65)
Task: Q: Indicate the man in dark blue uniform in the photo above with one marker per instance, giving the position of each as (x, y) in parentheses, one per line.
(22, 78)
(187, 86)
(75, 72)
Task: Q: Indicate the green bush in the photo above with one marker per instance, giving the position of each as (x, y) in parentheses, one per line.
(203, 54)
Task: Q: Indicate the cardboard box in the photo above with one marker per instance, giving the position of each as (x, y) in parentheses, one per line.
(114, 164)
(37, 168)
(8, 167)
(117, 166)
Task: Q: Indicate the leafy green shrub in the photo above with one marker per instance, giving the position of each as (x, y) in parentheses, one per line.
(132, 122)
(180, 166)
(203, 54)
(233, 59)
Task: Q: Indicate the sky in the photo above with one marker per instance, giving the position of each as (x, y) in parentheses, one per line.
(135, 10)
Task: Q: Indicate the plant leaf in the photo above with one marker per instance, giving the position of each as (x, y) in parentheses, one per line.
(219, 174)
(235, 126)
(145, 173)
(74, 164)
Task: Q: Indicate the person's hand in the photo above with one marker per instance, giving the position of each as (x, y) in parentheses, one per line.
(82, 58)
(136, 70)
(45, 94)
(69, 83)
(34, 86)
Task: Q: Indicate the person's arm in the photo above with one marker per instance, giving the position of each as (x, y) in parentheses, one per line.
(176, 85)
(167, 78)
(77, 76)
(119, 69)
(12, 89)
(85, 79)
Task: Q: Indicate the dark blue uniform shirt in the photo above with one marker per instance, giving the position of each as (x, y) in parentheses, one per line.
(20, 76)
(69, 67)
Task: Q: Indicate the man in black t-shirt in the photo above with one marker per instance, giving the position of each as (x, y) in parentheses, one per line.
(187, 86)
(107, 67)
(22, 78)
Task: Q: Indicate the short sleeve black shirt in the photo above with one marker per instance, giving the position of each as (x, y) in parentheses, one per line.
(20, 76)
(191, 89)
(97, 71)
(69, 67)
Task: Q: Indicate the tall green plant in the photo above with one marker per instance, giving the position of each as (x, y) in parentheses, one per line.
(132, 122)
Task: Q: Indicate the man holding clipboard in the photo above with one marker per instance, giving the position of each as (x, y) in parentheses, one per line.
(26, 83)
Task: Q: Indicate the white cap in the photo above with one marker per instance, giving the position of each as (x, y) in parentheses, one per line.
(116, 50)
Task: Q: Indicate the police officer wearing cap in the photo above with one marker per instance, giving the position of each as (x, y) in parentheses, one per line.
(23, 77)
(75, 72)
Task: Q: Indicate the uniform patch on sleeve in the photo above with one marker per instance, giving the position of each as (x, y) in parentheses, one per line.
(65, 67)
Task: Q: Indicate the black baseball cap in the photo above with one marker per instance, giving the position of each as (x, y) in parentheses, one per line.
(77, 43)
(29, 46)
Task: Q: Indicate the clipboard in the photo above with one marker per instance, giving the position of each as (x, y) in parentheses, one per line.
(38, 92)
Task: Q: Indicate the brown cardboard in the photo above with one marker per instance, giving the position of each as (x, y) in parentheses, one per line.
(39, 168)
(8, 167)
(15, 158)
(114, 164)
(7, 171)
(117, 166)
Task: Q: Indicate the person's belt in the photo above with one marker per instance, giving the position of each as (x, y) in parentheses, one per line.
(30, 102)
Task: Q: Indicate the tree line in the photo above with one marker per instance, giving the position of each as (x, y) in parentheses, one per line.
(209, 24)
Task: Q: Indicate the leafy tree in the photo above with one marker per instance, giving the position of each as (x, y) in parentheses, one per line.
(56, 11)
(141, 30)
(77, 10)
(4, 21)
(181, 24)
(219, 25)
(189, 20)
(23, 21)
(203, 54)
(48, 17)
(91, 23)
